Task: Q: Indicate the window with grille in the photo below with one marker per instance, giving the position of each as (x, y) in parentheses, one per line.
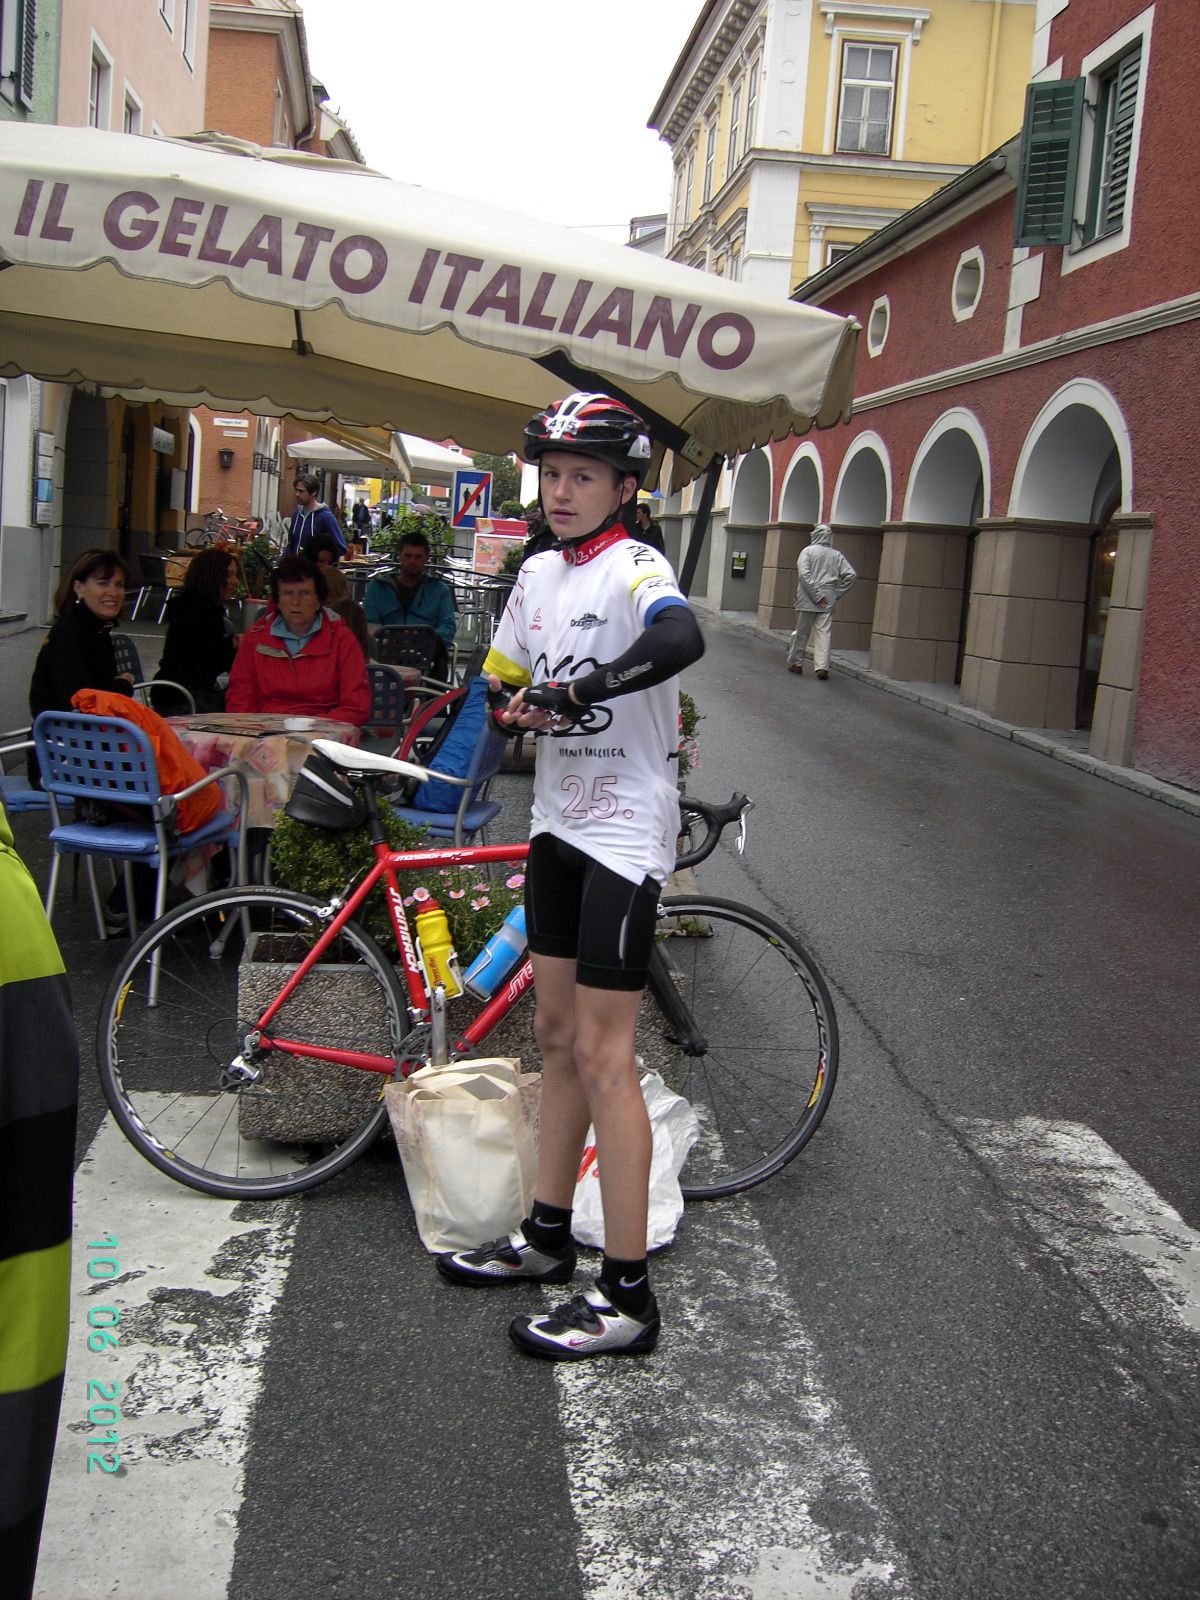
(868, 93)
(1116, 108)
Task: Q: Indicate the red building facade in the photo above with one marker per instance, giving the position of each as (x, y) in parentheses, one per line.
(1019, 485)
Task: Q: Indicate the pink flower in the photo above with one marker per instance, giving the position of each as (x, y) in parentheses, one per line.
(421, 894)
(517, 881)
(408, 899)
(478, 905)
(457, 894)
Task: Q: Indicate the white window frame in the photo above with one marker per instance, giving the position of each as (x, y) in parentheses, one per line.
(735, 127)
(689, 185)
(753, 85)
(166, 10)
(190, 9)
(710, 162)
(280, 122)
(892, 47)
(100, 74)
(10, 50)
(1093, 67)
(836, 250)
(735, 264)
(132, 102)
(879, 325)
(970, 270)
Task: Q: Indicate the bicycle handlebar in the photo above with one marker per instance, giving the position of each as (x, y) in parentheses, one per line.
(716, 818)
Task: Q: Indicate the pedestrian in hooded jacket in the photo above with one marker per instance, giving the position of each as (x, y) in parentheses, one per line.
(824, 576)
(300, 659)
(311, 516)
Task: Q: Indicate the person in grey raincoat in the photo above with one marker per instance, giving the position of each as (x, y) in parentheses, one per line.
(824, 577)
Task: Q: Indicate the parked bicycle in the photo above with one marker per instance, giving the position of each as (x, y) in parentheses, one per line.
(230, 1004)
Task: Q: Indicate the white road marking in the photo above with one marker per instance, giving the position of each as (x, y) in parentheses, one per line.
(716, 1469)
(195, 1296)
(1135, 1252)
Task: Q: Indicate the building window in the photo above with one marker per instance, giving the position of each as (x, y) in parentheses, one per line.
(751, 106)
(968, 285)
(190, 8)
(735, 129)
(132, 121)
(835, 252)
(166, 10)
(868, 90)
(735, 266)
(280, 122)
(18, 44)
(1116, 109)
(710, 160)
(688, 181)
(878, 324)
(99, 88)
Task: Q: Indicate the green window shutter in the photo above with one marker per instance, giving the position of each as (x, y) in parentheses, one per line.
(1124, 106)
(26, 42)
(1049, 159)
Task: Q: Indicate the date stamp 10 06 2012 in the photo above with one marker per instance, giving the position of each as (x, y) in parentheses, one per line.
(103, 1334)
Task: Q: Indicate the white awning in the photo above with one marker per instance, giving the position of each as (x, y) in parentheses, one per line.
(206, 270)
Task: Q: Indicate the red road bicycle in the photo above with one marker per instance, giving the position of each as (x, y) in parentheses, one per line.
(233, 1014)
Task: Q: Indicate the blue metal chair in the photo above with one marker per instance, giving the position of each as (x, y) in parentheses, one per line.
(128, 660)
(467, 758)
(109, 760)
(389, 707)
(16, 792)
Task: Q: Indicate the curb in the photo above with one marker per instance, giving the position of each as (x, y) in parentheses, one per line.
(1032, 738)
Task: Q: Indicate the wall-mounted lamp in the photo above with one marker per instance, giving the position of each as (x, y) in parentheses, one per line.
(225, 457)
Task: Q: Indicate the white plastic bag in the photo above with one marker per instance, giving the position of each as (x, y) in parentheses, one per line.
(467, 1136)
(675, 1128)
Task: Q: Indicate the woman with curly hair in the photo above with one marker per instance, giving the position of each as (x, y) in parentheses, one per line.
(200, 644)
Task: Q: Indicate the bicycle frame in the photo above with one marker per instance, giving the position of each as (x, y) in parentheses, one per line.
(421, 1005)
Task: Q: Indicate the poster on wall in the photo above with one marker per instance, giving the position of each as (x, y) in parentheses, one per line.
(494, 538)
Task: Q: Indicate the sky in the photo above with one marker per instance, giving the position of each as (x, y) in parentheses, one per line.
(538, 106)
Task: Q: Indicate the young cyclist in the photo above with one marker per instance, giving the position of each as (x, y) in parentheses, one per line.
(599, 627)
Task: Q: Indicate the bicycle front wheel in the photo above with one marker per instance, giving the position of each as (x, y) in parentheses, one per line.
(171, 1044)
(741, 1024)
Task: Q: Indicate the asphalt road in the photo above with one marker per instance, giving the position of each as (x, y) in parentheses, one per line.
(929, 1359)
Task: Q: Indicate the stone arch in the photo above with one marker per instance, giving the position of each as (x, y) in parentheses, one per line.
(862, 497)
(750, 502)
(1065, 454)
(803, 487)
(951, 466)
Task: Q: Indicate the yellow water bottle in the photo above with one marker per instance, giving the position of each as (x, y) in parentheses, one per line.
(437, 950)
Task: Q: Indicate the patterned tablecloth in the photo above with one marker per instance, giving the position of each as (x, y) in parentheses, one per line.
(272, 749)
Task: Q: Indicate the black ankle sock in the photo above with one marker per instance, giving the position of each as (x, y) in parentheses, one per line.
(626, 1283)
(548, 1227)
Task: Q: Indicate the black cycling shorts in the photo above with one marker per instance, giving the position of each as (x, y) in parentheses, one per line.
(581, 911)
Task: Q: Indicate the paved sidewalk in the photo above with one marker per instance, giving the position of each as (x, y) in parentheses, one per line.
(1067, 744)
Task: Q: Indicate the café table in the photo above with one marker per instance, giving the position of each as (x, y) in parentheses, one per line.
(270, 748)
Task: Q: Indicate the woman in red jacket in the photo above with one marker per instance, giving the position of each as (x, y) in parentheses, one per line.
(299, 658)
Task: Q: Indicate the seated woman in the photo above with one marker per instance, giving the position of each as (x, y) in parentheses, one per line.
(200, 644)
(77, 653)
(351, 613)
(299, 658)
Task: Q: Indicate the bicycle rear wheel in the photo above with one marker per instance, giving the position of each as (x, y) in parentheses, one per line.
(744, 1029)
(168, 1059)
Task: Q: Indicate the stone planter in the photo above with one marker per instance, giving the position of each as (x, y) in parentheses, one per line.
(298, 1100)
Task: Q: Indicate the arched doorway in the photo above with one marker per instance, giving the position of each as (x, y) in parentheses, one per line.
(745, 535)
(859, 508)
(930, 556)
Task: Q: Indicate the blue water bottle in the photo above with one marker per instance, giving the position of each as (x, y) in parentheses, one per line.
(498, 956)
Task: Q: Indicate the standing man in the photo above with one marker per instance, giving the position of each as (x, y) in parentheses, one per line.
(648, 531)
(601, 614)
(408, 598)
(311, 516)
(361, 518)
(824, 577)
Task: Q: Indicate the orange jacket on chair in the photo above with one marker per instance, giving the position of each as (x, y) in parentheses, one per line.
(177, 767)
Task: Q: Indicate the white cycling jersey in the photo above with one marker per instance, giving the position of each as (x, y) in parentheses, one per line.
(607, 786)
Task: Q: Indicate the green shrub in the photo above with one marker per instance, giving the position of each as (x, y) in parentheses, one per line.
(689, 720)
(436, 529)
(320, 862)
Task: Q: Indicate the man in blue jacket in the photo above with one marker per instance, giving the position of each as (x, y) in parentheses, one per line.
(311, 516)
(407, 598)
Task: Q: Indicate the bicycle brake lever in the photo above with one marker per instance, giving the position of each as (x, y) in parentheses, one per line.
(742, 829)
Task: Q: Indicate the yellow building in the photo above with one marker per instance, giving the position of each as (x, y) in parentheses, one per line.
(798, 127)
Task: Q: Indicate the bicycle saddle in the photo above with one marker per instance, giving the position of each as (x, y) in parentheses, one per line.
(362, 761)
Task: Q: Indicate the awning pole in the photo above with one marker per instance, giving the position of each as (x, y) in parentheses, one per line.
(700, 524)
